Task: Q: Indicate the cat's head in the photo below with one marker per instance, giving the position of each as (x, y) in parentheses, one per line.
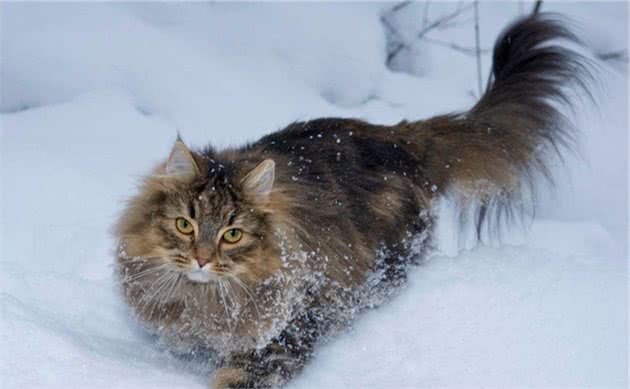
(201, 219)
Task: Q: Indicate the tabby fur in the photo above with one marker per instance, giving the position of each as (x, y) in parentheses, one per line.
(333, 212)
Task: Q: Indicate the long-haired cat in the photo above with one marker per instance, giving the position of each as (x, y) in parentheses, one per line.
(260, 253)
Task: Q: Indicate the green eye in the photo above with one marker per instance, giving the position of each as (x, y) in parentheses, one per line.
(232, 235)
(183, 226)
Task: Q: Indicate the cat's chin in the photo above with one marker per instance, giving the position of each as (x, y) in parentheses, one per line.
(199, 275)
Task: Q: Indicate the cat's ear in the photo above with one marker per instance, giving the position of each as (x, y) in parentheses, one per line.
(181, 162)
(259, 181)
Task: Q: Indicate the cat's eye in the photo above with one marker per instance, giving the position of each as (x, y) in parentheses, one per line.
(184, 226)
(232, 235)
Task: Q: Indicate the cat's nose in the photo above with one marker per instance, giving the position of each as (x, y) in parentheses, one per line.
(203, 255)
(202, 261)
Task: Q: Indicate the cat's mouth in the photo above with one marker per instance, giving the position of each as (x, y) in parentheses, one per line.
(200, 275)
(203, 274)
(206, 273)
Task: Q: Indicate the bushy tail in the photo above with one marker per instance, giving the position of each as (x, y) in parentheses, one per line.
(492, 155)
(530, 78)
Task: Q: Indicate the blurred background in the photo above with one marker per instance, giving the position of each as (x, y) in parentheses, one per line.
(92, 96)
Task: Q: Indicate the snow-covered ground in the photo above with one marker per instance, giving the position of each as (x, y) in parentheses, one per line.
(92, 95)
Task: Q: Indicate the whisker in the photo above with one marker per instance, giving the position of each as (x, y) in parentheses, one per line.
(130, 259)
(157, 293)
(227, 319)
(231, 296)
(247, 291)
(157, 285)
(154, 287)
(145, 272)
(172, 290)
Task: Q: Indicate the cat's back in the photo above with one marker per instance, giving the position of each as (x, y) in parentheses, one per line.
(352, 151)
(355, 180)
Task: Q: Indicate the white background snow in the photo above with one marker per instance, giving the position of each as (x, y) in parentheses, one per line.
(92, 96)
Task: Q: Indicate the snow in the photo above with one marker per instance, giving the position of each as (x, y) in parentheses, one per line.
(538, 316)
(92, 95)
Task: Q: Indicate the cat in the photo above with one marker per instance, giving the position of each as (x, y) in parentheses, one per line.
(260, 253)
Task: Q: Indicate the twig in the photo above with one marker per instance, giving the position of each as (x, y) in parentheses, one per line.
(425, 14)
(537, 6)
(392, 54)
(621, 55)
(443, 21)
(451, 45)
(399, 6)
(477, 46)
(393, 31)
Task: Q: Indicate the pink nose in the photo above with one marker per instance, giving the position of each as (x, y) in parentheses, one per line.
(203, 254)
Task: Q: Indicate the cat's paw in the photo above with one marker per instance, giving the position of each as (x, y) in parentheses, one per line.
(230, 377)
(234, 377)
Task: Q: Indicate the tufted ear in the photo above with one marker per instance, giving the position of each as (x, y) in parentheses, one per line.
(181, 162)
(259, 181)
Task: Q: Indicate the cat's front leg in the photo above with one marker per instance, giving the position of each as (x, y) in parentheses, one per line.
(230, 377)
(271, 367)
